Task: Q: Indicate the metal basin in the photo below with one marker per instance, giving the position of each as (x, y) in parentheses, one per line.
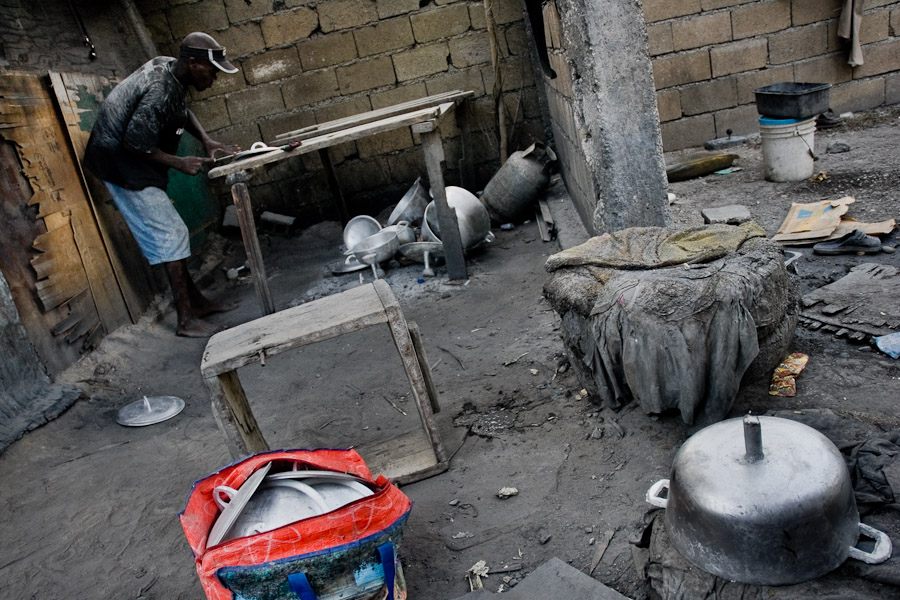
(376, 248)
(405, 233)
(763, 500)
(359, 228)
(471, 215)
(411, 207)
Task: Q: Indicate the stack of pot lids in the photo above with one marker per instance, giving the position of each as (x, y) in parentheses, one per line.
(269, 501)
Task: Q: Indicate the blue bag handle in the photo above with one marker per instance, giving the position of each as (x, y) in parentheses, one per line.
(300, 584)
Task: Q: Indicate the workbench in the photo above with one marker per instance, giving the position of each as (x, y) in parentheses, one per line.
(407, 457)
(423, 115)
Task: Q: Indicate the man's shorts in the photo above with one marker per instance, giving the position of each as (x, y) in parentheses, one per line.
(157, 227)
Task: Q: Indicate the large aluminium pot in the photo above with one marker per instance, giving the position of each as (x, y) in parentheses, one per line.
(763, 500)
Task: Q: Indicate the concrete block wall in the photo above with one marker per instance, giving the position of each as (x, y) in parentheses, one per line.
(709, 55)
(303, 63)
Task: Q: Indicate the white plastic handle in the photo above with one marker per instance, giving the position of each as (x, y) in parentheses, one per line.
(258, 146)
(653, 496)
(310, 491)
(229, 493)
(880, 553)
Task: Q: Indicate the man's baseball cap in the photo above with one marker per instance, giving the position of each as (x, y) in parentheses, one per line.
(214, 55)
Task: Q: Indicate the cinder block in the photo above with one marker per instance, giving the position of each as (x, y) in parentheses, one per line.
(875, 26)
(879, 58)
(870, 4)
(271, 65)
(552, 28)
(804, 12)
(831, 68)
(743, 120)
(857, 95)
(360, 176)
(366, 74)
(659, 37)
(733, 214)
(688, 67)
(421, 61)
(224, 85)
(344, 14)
(668, 102)
(895, 21)
(701, 30)
(383, 143)
(243, 135)
(687, 132)
(344, 109)
(285, 122)
(508, 11)
(392, 8)
(660, 10)
(398, 95)
(462, 79)
(760, 18)
(288, 27)
(470, 50)
(563, 82)
(738, 57)
(440, 23)
(390, 34)
(892, 88)
(717, 4)
(241, 40)
(405, 167)
(747, 82)
(327, 50)
(256, 102)
(797, 44)
(708, 96)
(183, 19)
(212, 113)
(241, 10)
(476, 15)
(516, 37)
(516, 73)
(310, 88)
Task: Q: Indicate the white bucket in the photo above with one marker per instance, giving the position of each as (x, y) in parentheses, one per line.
(787, 148)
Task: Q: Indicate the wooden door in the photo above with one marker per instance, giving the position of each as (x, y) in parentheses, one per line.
(51, 251)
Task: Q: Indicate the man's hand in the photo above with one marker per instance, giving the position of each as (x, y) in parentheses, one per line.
(212, 146)
(191, 165)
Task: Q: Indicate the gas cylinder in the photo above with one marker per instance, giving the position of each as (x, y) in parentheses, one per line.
(513, 189)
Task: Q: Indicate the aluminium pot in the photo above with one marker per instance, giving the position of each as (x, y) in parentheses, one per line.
(763, 500)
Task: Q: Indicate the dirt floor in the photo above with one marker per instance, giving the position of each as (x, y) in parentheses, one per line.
(89, 508)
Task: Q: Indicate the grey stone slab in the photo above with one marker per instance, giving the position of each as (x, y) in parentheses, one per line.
(734, 214)
(556, 579)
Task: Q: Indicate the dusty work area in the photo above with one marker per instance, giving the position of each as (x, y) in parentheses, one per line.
(89, 508)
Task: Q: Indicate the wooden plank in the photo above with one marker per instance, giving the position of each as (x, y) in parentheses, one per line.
(78, 97)
(403, 459)
(449, 226)
(419, 346)
(233, 415)
(454, 96)
(334, 138)
(308, 323)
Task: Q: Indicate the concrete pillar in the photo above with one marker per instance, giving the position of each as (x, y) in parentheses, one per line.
(602, 107)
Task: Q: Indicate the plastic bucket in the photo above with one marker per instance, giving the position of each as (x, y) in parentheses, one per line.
(787, 148)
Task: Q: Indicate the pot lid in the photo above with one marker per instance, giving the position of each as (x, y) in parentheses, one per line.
(759, 462)
(149, 410)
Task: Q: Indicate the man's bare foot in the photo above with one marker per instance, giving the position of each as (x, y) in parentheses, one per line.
(209, 308)
(197, 328)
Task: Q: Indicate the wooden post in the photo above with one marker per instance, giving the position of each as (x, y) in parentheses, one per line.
(251, 242)
(233, 415)
(434, 157)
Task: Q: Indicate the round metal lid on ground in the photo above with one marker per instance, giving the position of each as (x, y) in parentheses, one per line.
(149, 410)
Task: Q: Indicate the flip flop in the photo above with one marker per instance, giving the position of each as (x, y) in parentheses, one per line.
(854, 242)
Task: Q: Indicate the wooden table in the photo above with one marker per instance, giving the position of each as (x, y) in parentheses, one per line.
(423, 115)
(407, 457)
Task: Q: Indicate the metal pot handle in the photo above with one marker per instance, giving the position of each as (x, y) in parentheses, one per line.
(653, 496)
(880, 553)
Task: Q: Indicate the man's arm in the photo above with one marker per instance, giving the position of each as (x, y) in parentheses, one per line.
(194, 127)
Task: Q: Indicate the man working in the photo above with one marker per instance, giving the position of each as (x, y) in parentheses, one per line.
(132, 147)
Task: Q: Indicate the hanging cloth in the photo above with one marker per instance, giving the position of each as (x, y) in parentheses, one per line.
(848, 28)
